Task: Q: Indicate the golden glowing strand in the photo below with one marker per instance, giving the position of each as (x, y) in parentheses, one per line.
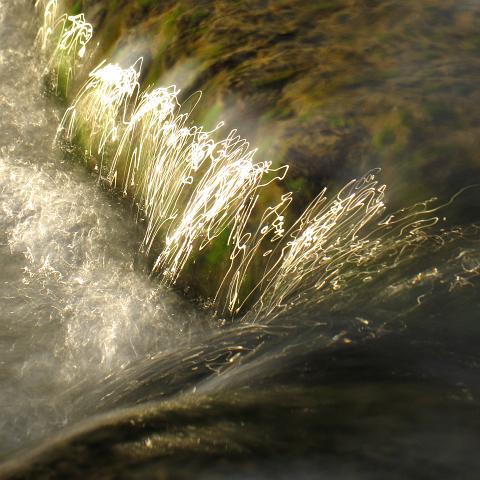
(337, 245)
(65, 38)
(226, 187)
(244, 248)
(181, 159)
(189, 186)
(100, 108)
(318, 245)
(49, 10)
(139, 138)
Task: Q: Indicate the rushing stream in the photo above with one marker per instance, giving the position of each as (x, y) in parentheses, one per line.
(106, 374)
(75, 303)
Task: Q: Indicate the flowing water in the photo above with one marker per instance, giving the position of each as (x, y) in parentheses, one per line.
(106, 374)
(69, 276)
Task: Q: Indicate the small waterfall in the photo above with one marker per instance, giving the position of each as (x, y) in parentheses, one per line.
(338, 340)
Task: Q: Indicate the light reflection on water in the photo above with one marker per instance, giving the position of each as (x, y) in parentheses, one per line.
(83, 330)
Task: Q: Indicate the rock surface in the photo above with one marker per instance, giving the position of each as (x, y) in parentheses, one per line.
(332, 87)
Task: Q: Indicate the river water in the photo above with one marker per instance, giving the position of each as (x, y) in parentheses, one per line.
(105, 374)
(75, 302)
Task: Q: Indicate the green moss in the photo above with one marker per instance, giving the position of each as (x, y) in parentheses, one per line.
(146, 3)
(169, 19)
(337, 121)
(384, 138)
(218, 252)
(199, 14)
(278, 78)
(472, 44)
(76, 8)
(407, 118)
(296, 184)
(337, 86)
(211, 117)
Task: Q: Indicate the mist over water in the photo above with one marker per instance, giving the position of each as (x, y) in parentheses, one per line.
(385, 365)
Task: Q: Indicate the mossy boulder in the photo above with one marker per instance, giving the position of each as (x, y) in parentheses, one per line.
(332, 88)
(339, 85)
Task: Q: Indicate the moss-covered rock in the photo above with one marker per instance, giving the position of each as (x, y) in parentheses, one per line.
(339, 85)
(331, 87)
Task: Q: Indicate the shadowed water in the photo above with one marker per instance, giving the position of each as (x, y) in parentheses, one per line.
(104, 374)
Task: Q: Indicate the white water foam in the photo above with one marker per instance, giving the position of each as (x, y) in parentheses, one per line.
(74, 306)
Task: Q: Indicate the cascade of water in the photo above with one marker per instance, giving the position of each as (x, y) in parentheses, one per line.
(84, 331)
